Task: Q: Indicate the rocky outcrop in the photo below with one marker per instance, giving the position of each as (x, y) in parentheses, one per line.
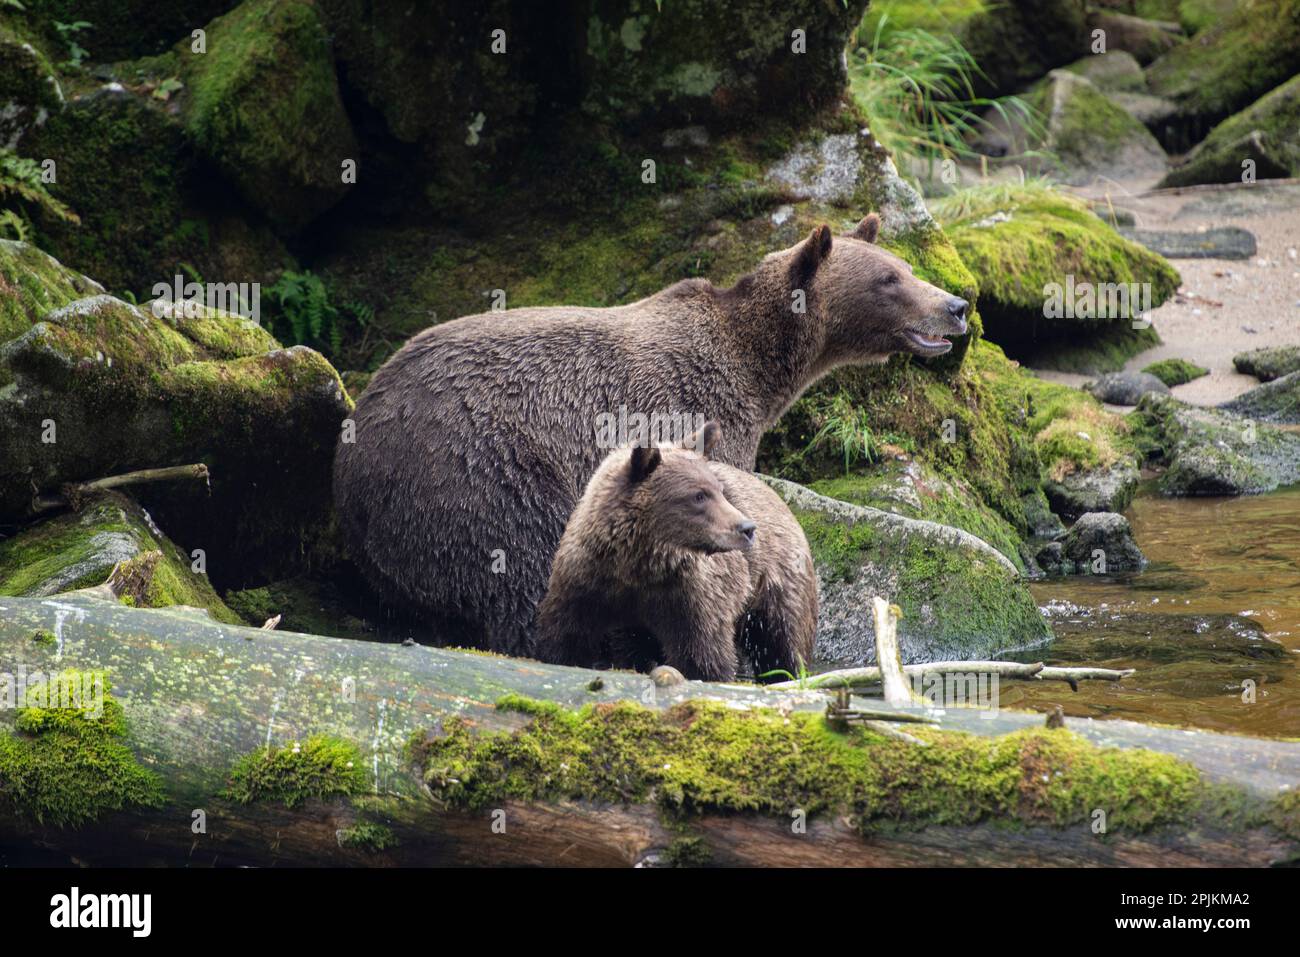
(1277, 401)
(1262, 140)
(1213, 451)
(1269, 363)
(109, 535)
(1105, 489)
(91, 386)
(1100, 543)
(1058, 286)
(1229, 65)
(961, 598)
(1144, 40)
(263, 102)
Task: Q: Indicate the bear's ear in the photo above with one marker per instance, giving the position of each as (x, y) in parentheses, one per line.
(706, 439)
(810, 254)
(868, 229)
(644, 461)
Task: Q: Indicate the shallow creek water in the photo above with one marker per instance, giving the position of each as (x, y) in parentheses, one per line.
(1219, 604)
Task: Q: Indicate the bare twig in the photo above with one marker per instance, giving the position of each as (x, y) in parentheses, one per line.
(861, 677)
(71, 495)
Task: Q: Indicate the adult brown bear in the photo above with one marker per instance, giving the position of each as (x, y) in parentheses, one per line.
(473, 443)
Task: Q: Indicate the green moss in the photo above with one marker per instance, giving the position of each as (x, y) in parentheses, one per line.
(1174, 372)
(1265, 132)
(31, 284)
(367, 836)
(65, 763)
(941, 590)
(916, 492)
(1020, 243)
(703, 757)
(1252, 49)
(43, 636)
(79, 550)
(687, 852)
(265, 104)
(318, 768)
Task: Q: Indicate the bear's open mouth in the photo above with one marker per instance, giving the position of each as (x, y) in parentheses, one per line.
(926, 344)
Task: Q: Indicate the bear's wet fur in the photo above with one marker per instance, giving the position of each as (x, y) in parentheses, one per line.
(670, 559)
(473, 443)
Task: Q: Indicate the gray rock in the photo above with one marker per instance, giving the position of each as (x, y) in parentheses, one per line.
(1151, 111)
(1113, 71)
(1268, 363)
(1125, 388)
(1051, 558)
(826, 172)
(1084, 135)
(1097, 490)
(1144, 39)
(1276, 401)
(1041, 521)
(961, 598)
(1213, 451)
(1223, 242)
(1101, 539)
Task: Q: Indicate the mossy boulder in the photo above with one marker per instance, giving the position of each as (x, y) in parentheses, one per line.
(720, 61)
(92, 386)
(1084, 135)
(1269, 363)
(1253, 49)
(1115, 71)
(29, 87)
(111, 532)
(1107, 533)
(263, 103)
(1016, 43)
(1267, 133)
(961, 597)
(1174, 372)
(1145, 40)
(1213, 451)
(1276, 401)
(1058, 286)
(903, 486)
(148, 206)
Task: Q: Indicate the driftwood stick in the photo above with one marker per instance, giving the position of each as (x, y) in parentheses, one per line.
(72, 493)
(861, 677)
(897, 689)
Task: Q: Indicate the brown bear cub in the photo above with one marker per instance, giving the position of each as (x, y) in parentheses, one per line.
(672, 559)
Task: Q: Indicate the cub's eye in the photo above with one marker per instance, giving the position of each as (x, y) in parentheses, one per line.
(890, 280)
(700, 497)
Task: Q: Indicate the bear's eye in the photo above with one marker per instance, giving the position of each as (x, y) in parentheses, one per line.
(700, 497)
(890, 280)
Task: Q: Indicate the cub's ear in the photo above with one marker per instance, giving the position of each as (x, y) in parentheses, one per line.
(868, 229)
(706, 439)
(644, 461)
(810, 254)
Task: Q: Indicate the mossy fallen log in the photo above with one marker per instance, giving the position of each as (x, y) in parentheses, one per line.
(233, 745)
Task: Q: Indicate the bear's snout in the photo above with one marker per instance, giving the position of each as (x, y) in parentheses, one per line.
(957, 310)
(746, 531)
